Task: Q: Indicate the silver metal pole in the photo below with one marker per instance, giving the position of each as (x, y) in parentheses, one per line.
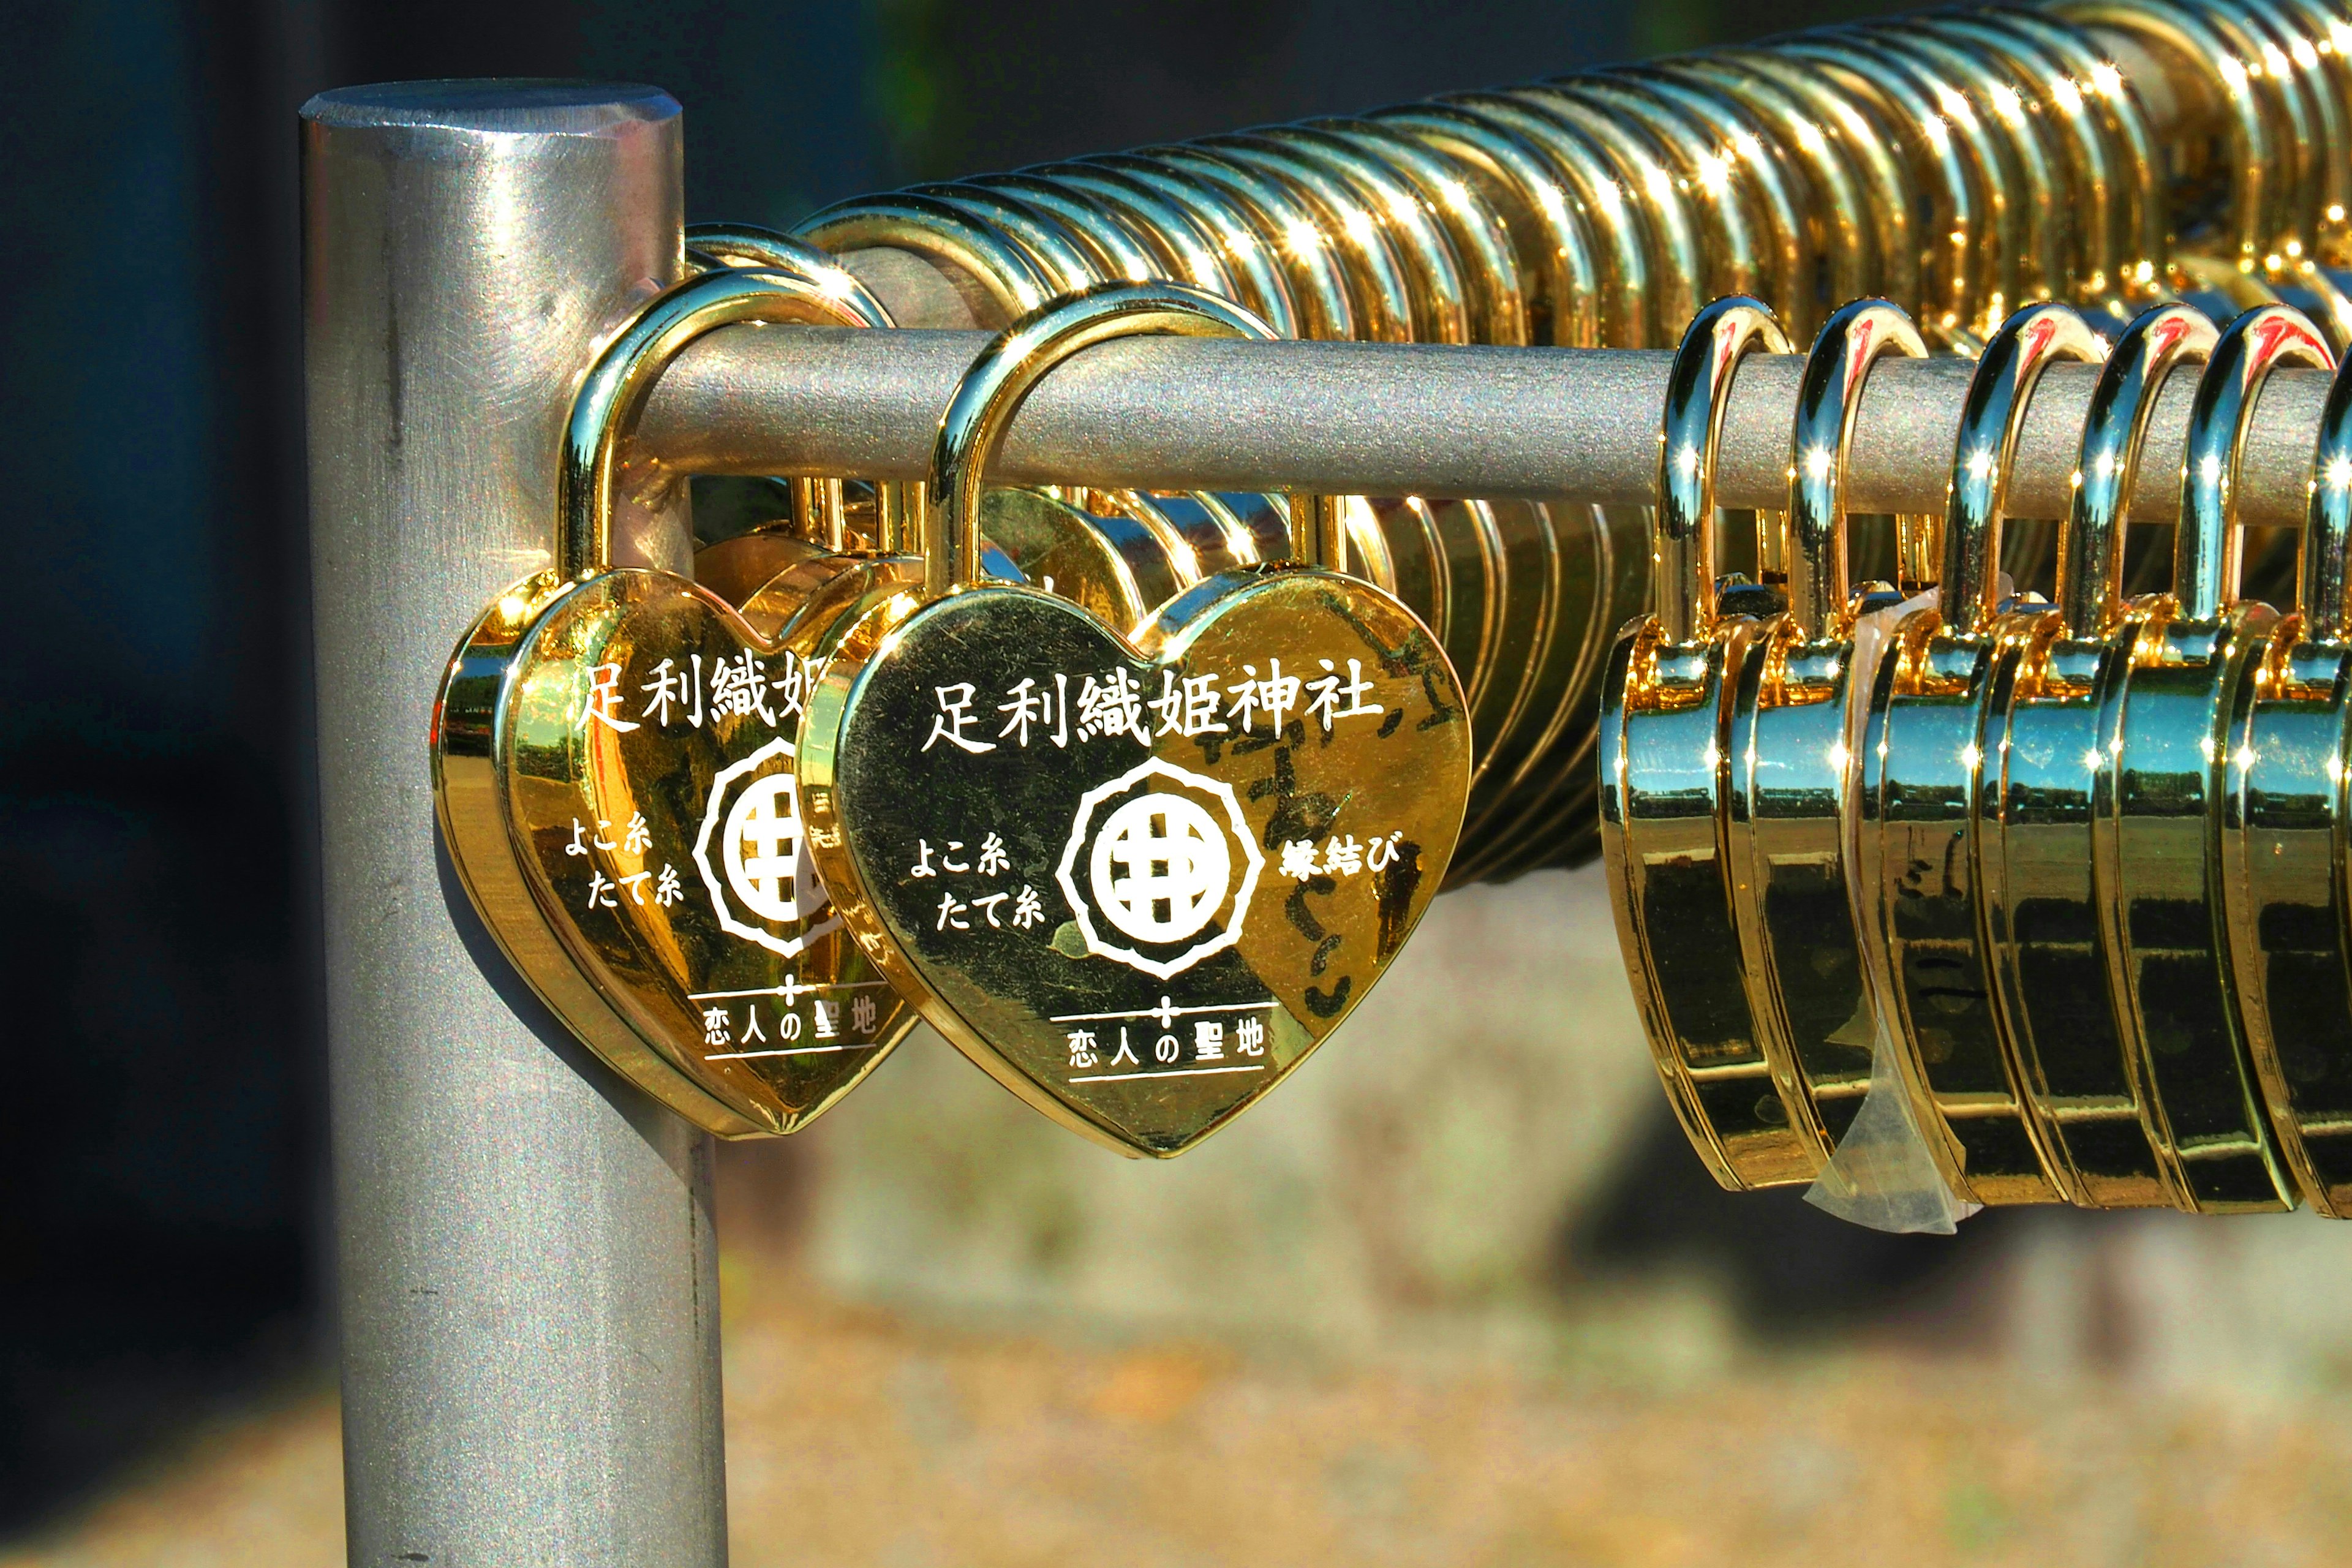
(1396, 419)
(527, 1281)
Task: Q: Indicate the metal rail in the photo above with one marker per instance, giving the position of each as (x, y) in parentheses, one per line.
(528, 1284)
(1395, 419)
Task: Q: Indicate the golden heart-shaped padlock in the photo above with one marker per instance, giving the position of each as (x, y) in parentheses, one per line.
(614, 768)
(1136, 879)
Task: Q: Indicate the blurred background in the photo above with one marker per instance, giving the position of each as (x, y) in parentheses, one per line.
(1458, 1295)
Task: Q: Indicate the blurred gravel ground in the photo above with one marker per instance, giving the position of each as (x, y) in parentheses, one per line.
(1351, 1331)
(856, 1437)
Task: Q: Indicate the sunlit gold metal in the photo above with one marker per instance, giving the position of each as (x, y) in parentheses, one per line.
(1522, 702)
(2111, 151)
(2042, 872)
(1495, 307)
(1198, 869)
(1769, 129)
(1367, 198)
(1185, 255)
(1790, 753)
(2031, 222)
(1544, 807)
(966, 247)
(1462, 593)
(1457, 276)
(1922, 796)
(1836, 125)
(1061, 254)
(1638, 185)
(1286, 227)
(1587, 274)
(1125, 556)
(612, 762)
(1693, 178)
(2286, 844)
(1540, 824)
(1966, 276)
(817, 500)
(1958, 165)
(1248, 259)
(2159, 806)
(1961, 164)
(1116, 253)
(2063, 154)
(1362, 251)
(2248, 248)
(1730, 151)
(1664, 781)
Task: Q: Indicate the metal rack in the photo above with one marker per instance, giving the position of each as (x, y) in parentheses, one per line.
(528, 1270)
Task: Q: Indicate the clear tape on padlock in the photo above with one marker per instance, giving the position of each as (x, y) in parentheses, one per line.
(1883, 1175)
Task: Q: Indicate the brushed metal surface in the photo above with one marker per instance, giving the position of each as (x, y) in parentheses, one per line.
(528, 1283)
(1392, 419)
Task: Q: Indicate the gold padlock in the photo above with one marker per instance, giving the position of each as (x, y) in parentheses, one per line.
(810, 569)
(1922, 798)
(2157, 809)
(1136, 876)
(818, 509)
(2287, 842)
(2044, 875)
(1791, 756)
(1665, 781)
(614, 771)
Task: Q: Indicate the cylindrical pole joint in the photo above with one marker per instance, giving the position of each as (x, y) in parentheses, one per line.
(526, 1275)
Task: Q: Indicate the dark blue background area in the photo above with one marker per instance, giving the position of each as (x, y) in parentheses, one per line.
(162, 1235)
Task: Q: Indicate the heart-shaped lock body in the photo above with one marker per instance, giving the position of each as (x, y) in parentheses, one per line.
(615, 768)
(1136, 879)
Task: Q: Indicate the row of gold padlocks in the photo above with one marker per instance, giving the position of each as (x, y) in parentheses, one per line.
(1135, 795)
(1958, 165)
(2076, 871)
(1133, 828)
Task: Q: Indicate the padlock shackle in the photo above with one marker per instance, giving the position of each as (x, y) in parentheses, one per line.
(2209, 545)
(710, 246)
(1698, 386)
(2106, 464)
(2321, 579)
(1011, 367)
(613, 393)
(1837, 368)
(1991, 416)
(967, 248)
(716, 245)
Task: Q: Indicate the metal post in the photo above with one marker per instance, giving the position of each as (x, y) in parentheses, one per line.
(527, 1281)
